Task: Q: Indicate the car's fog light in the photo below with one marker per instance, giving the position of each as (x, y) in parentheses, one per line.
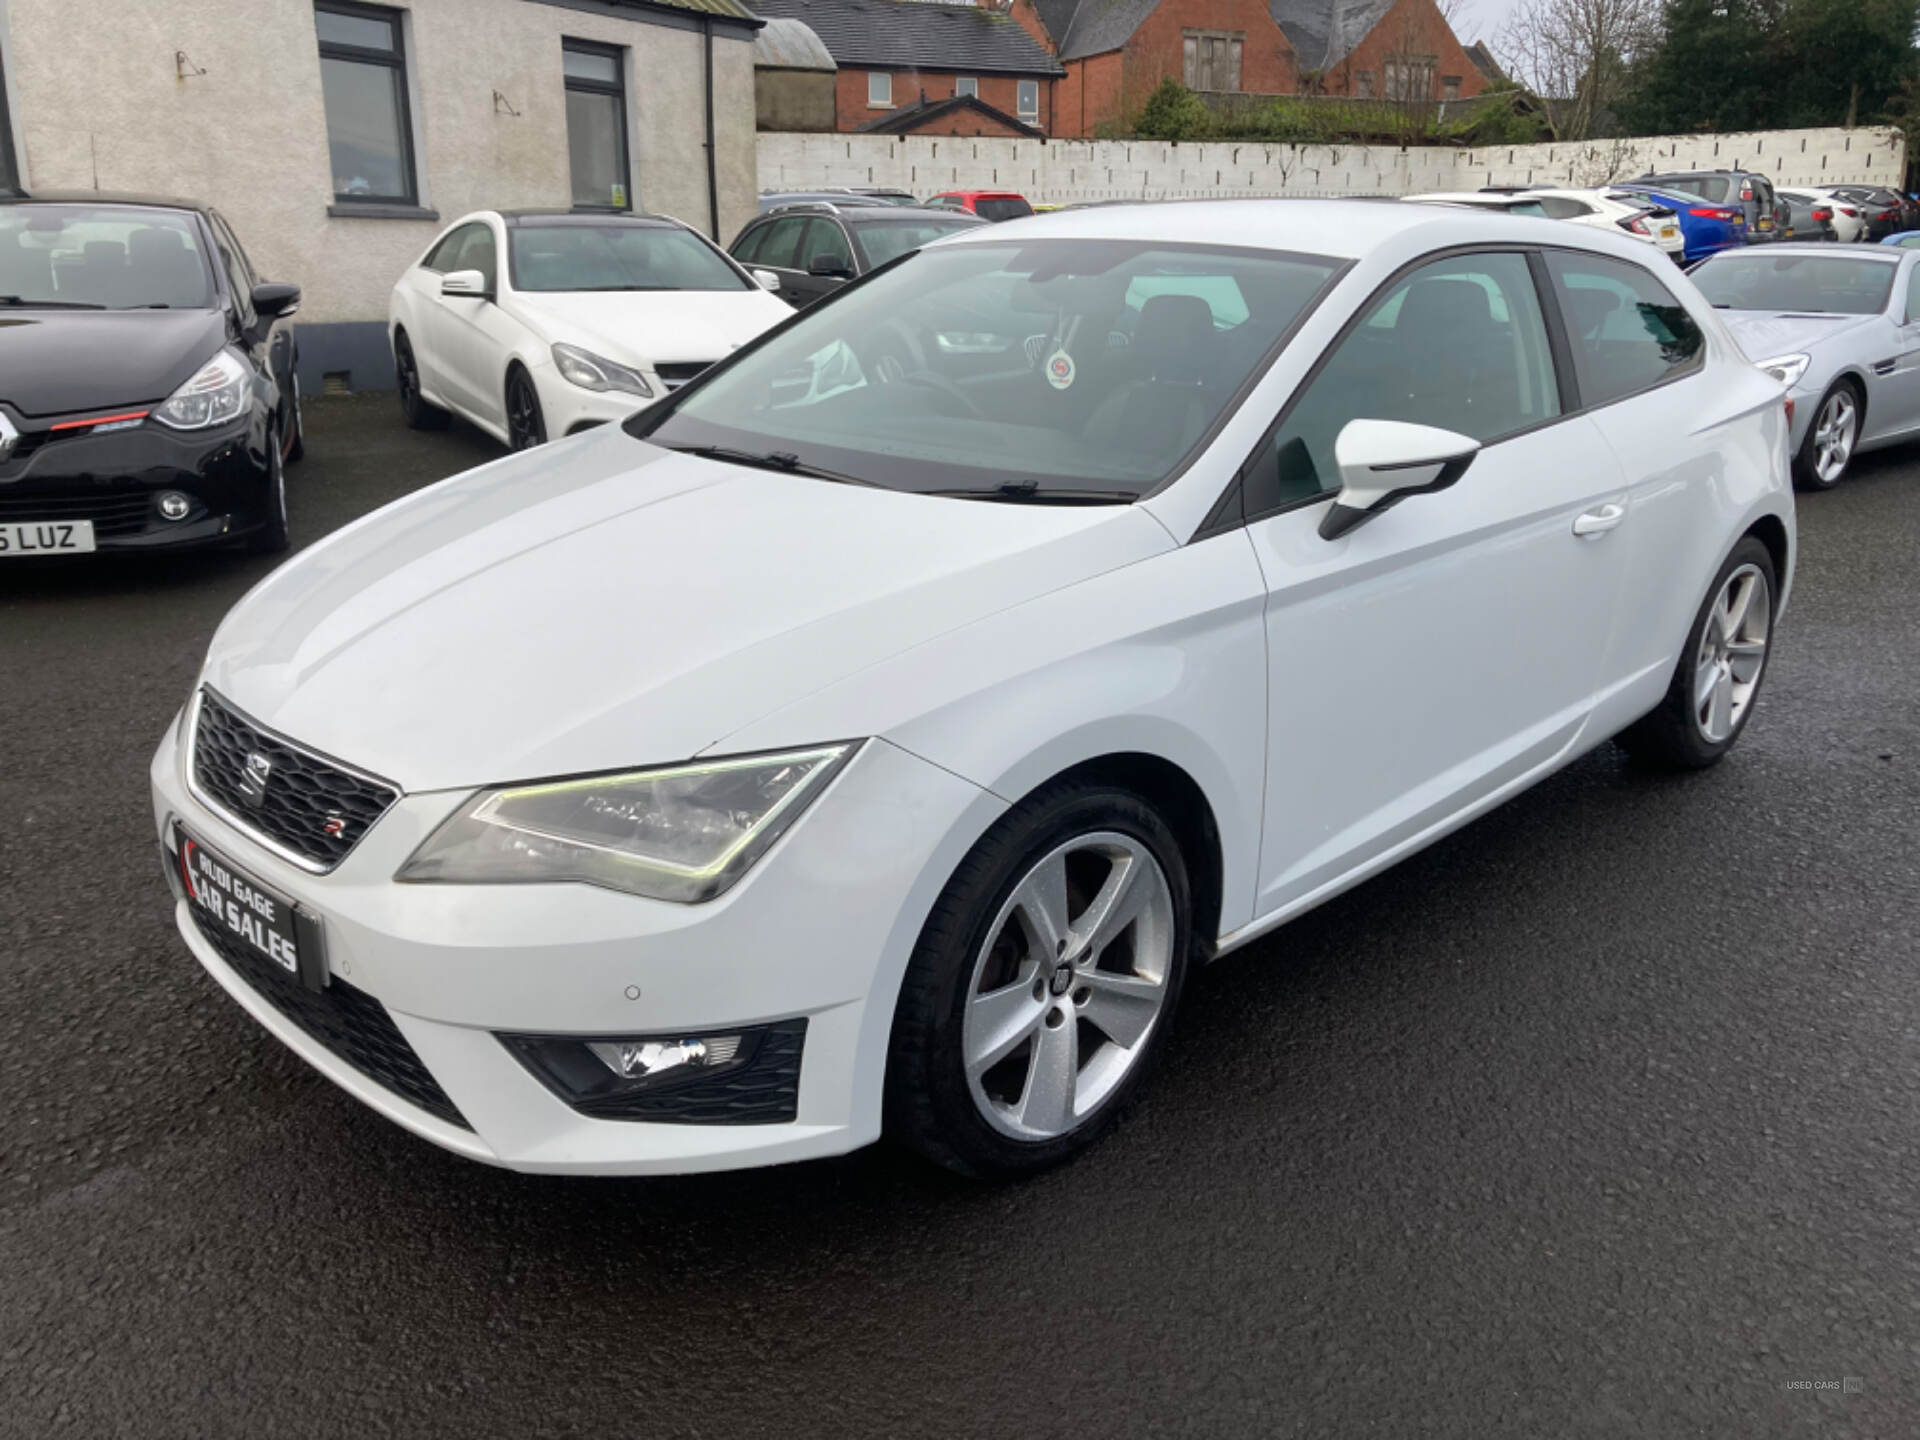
(173, 505)
(584, 1068)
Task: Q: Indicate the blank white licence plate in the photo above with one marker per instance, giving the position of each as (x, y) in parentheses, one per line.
(46, 537)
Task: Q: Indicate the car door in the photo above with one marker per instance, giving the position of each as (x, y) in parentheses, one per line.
(1893, 399)
(823, 243)
(1640, 362)
(437, 334)
(1438, 655)
(474, 336)
(270, 346)
(777, 251)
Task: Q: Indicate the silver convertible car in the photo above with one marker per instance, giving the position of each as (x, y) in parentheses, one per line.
(1841, 331)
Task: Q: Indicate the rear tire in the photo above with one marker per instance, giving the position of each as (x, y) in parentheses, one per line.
(1043, 986)
(1827, 451)
(420, 414)
(1718, 677)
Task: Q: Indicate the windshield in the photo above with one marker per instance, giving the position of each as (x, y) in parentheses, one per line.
(883, 240)
(1805, 284)
(102, 258)
(615, 256)
(1080, 366)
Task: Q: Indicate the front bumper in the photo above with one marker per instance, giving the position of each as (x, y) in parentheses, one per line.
(819, 931)
(115, 480)
(568, 409)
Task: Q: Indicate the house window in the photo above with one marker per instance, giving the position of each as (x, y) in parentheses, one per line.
(1029, 98)
(1363, 84)
(596, 125)
(1409, 77)
(879, 90)
(1212, 58)
(966, 85)
(1449, 87)
(363, 82)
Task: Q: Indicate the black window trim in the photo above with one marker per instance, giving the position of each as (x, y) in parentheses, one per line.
(618, 91)
(9, 156)
(395, 59)
(1228, 513)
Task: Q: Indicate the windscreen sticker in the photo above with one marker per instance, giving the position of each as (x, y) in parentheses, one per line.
(1060, 369)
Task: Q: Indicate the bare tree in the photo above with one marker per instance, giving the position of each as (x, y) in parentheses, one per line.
(1575, 55)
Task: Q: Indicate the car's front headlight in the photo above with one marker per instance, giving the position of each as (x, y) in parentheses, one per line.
(216, 394)
(1787, 369)
(592, 372)
(685, 834)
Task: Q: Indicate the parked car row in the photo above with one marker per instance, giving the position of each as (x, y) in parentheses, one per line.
(993, 205)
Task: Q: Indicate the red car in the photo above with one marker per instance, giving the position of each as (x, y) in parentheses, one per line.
(987, 204)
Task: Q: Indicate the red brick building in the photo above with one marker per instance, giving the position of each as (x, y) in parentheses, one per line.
(1377, 50)
(899, 56)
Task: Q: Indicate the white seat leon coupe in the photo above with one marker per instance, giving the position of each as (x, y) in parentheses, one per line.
(871, 736)
(534, 324)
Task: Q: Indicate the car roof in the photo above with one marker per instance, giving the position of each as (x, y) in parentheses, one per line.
(571, 217)
(884, 214)
(104, 197)
(1338, 229)
(984, 194)
(1816, 248)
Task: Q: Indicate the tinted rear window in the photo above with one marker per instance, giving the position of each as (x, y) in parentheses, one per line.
(1707, 187)
(1002, 207)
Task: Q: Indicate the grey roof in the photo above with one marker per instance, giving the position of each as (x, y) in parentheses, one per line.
(1092, 27)
(906, 35)
(1325, 32)
(1484, 62)
(904, 120)
(790, 45)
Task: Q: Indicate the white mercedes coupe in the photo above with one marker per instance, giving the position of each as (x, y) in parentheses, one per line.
(533, 324)
(871, 736)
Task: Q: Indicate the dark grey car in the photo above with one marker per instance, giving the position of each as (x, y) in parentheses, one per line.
(812, 247)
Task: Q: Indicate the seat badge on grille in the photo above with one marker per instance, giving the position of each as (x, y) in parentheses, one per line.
(253, 781)
(335, 827)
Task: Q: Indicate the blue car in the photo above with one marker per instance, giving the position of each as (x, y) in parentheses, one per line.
(1906, 239)
(1705, 227)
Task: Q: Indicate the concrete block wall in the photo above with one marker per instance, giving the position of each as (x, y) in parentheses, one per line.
(1063, 171)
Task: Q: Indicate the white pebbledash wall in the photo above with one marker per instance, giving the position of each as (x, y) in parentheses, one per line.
(1063, 171)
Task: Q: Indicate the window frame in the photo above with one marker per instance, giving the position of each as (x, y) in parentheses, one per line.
(804, 248)
(1674, 373)
(1020, 111)
(886, 101)
(9, 157)
(395, 60)
(971, 81)
(1193, 60)
(616, 90)
(1228, 514)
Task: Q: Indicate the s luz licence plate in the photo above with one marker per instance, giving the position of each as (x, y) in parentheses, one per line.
(229, 900)
(46, 537)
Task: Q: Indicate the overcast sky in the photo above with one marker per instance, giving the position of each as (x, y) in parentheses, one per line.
(1481, 20)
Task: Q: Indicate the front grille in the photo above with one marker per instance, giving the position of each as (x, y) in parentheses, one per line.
(675, 375)
(302, 796)
(111, 514)
(349, 1022)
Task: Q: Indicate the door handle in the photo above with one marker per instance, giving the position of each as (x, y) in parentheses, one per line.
(1598, 522)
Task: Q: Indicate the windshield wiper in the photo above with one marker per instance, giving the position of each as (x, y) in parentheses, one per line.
(1031, 492)
(784, 461)
(16, 300)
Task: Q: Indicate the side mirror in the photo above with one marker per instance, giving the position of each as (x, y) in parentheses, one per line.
(828, 267)
(468, 284)
(271, 301)
(1382, 462)
(766, 279)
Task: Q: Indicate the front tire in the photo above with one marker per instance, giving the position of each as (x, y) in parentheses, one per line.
(1831, 439)
(297, 451)
(1043, 986)
(271, 537)
(526, 425)
(1711, 696)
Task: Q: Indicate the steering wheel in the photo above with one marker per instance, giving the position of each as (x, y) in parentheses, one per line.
(934, 380)
(899, 358)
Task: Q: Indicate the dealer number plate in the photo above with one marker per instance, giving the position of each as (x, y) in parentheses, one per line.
(46, 537)
(229, 900)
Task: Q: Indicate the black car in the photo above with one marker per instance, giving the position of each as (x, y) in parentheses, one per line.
(147, 390)
(811, 248)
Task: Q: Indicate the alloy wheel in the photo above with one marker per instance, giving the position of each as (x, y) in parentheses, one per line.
(1068, 985)
(409, 377)
(1834, 431)
(525, 427)
(1733, 652)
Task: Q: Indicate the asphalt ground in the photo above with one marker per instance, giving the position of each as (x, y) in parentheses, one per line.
(1599, 1118)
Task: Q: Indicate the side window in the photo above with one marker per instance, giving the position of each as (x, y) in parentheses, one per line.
(826, 241)
(441, 257)
(1913, 295)
(781, 241)
(1627, 330)
(745, 247)
(1459, 343)
(479, 252)
(1558, 207)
